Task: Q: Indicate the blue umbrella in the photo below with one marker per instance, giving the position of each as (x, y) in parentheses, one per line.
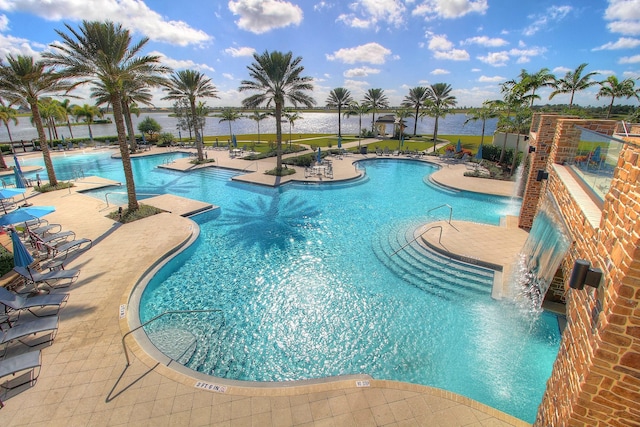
(25, 214)
(458, 146)
(339, 142)
(233, 139)
(17, 172)
(21, 256)
(7, 193)
(143, 139)
(479, 154)
(319, 156)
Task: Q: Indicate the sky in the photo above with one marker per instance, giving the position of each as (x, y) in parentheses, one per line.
(473, 45)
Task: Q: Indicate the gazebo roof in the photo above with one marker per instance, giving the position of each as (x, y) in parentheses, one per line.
(387, 119)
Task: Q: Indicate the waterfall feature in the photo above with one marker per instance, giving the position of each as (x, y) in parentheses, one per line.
(543, 251)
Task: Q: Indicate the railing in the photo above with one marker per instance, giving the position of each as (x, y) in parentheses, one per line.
(251, 164)
(443, 206)
(124, 345)
(419, 236)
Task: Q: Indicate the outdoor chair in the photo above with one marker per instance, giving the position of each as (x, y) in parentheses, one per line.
(20, 330)
(61, 251)
(30, 361)
(53, 279)
(16, 303)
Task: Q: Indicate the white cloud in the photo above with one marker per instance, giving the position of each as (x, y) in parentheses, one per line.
(561, 70)
(485, 41)
(372, 53)
(453, 55)
(605, 72)
(440, 71)
(240, 51)
(524, 55)
(361, 72)
(543, 20)
(629, 59)
(228, 76)
(475, 70)
(496, 59)
(180, 64)
(261, 16)
(372, 13)
(621, 43)
(449, 9)
(494, 79)
(631, 74)
(4, 23)
(133, 14)
(624, 16)
(16, 46)
(440, 42)
(356, 85)
(322, 5)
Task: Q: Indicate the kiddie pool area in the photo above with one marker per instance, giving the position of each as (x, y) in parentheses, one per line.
(308, 285)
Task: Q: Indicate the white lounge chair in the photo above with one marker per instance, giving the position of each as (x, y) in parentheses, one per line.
(53, 279)
(17, 303)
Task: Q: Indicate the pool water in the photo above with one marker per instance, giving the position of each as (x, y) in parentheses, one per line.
(308, 286)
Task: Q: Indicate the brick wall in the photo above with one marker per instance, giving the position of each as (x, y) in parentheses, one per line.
(596, 376)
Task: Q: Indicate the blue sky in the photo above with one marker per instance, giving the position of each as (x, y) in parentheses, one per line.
(474, 45)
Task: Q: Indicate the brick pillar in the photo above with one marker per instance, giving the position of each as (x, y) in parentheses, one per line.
(596, 376)
(541, 138)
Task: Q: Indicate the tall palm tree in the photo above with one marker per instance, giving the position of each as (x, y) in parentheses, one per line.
(8, 114)
(613, 88)
(258, 117)
(87, 113)
(67, 110)
(484, 113)
(573, 82)
(23, 81)
(339, 98)
(357, 109)
(416, 98)
(512, 98)
(438, 104)
(51, 112)
(533, 82)
(375, 99)
(276, 77)
(229, 115)
(102, 52)
(191, 85)
(291, 116)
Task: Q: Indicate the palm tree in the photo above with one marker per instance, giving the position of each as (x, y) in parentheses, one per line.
(277, 78)
(22, 82)
(103, 52)
(291, 117)
(613, 88)
(356, 109)
(416, 98)
(258, 117)
(512, 99)
(190, 85)
(229, 115)
(51, 112)
(8, 114)
(532, 82)
(400, 115)
(375, 99)
(338, 98)
(487, 111)
(573, 82)
(67, 110)
(438, 104)
(87, 112)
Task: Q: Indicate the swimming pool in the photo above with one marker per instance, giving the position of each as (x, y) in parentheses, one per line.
(308, 287)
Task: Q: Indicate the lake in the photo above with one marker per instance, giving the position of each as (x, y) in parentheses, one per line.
(452, 124)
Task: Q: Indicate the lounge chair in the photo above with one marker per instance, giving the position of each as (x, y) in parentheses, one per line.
(56, 237)
(53, 279)
(44, 229)
(62, 250)
(21, 330)
(18, 303)
(30, 361)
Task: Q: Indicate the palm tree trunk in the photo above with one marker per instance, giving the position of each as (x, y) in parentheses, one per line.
(124, 152)
(339, 122)
(515, 155)
(415, 125)
(610, 106)
(90, 133)
(129, 123)
(44, 146)
(278, 137)
(69, 126)
(504, 147)
(195, 128)
(6, 124)
(435, 134)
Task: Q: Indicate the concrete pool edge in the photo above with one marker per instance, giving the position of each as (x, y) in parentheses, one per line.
(143, 350)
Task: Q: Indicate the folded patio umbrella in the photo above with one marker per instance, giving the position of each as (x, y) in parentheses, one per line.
(21, 255)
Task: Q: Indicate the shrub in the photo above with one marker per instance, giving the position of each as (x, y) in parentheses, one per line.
(124, 215)
(6, 261)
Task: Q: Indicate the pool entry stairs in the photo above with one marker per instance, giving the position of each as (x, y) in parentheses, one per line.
(398, 249)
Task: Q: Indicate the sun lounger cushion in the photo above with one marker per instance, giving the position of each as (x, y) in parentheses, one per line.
(18, 302)
(24, 329)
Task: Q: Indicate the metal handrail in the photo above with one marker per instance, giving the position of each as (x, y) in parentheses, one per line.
(442, 206)
(419, 236)
(124, 345)
(251, 164)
